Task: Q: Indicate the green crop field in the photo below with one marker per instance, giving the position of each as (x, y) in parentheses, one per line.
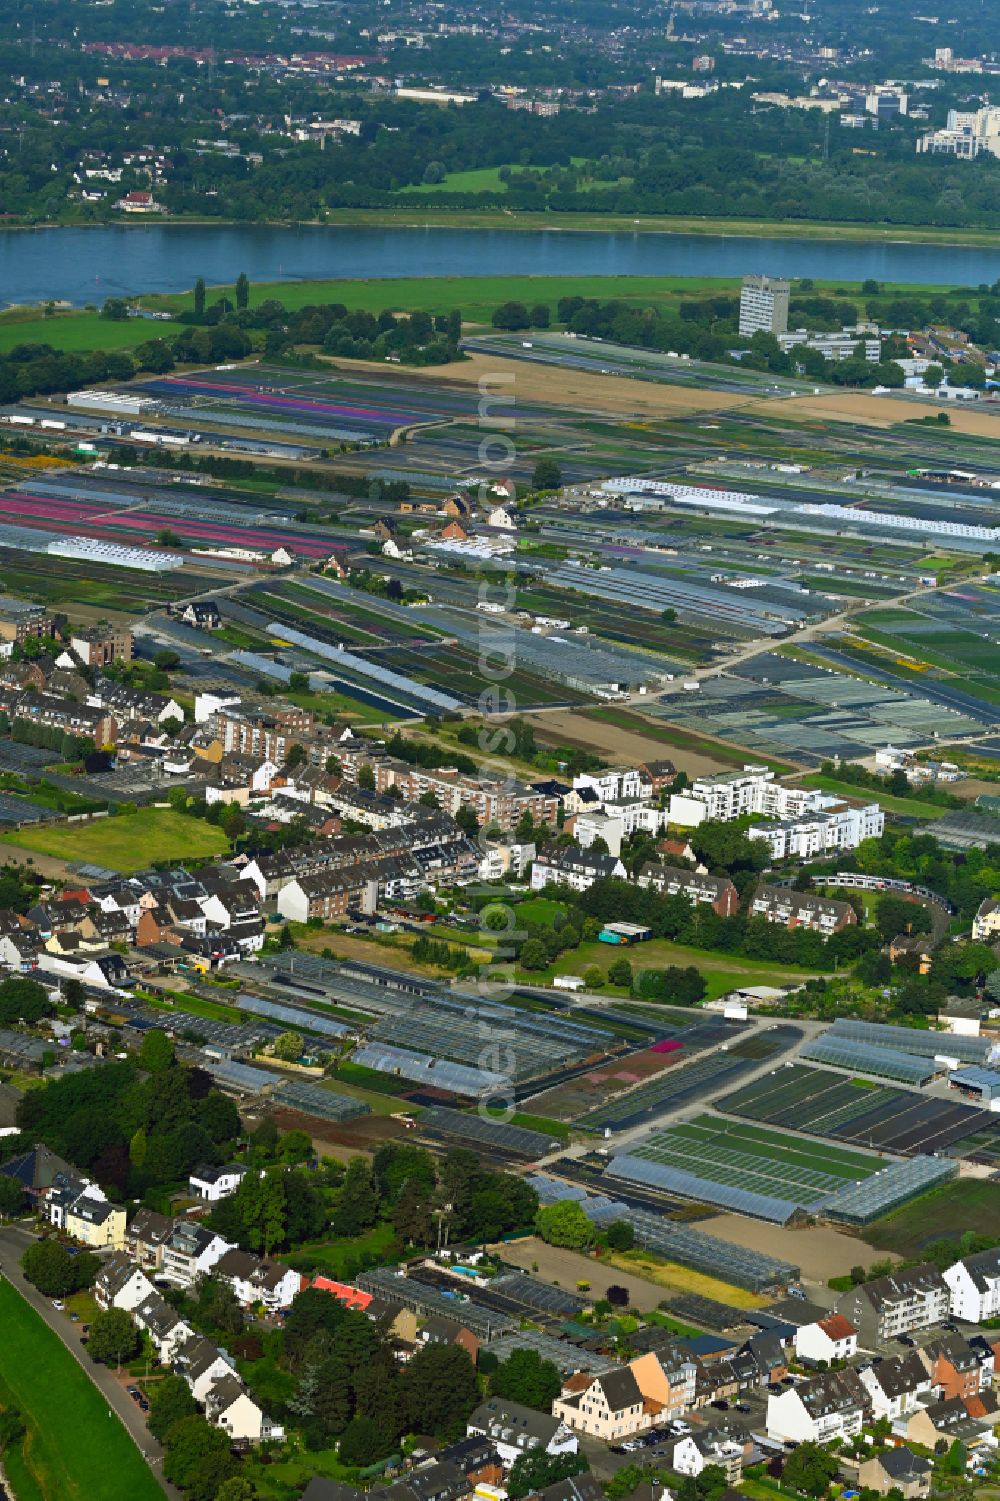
(967, 1204)
(77, 332)
(72, 1450)
(721, 972)
(128, 842)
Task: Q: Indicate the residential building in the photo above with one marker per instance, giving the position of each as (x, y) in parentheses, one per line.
(21, 620)
(189, 1252)
(800, 909)
(829, 1406)
(717, 892)
(694, 1452)
(228, 1405)
(327, 895)
(515, 1429)
(832, 1338)
(974, 1283)
(986, 923)
(763, 305)
(95, 1222)
(215, 1183)
(954, 1368)
(896, 1470)
(100, 645)
(121, 1284)
(895, 1384)
(574, 867)
(915, 1298)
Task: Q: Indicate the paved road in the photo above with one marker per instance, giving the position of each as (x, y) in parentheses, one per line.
(14, 1239)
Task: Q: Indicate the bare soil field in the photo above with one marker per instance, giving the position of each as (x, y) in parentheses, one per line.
(577, 390)
(821, 1252)
(571, 727)
(883, 411)
(565, 1268)
(357, 1138)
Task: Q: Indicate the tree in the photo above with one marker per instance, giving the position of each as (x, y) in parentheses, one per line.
(810, 1469)
(156, 1054)
(242, 291)
(546, 474)
(49, 1266)
(237, 1488)
(295, 756)
(933, 376)
(198, 1458)
(366, 778)
(113, 1337)
(199, 297)
(535, 1470)
(617, 1295)
(289, 1046)
(11, 1197)
(73, 993)
(439, 1390)
(620, 973)
(357, 1204)
(668, 616)
(166, 659)
(565, 1224)
(363, 1442)
(525, 1377)
(620, 1236)
(512, 316)
(170, 1400)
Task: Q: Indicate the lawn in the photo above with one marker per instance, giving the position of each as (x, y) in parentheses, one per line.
(915, 807)
(967, 1204)
(721, 972)
(76, 332)
(73, 1450)
(131, 841)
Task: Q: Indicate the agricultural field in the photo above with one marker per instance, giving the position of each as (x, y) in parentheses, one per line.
(130, 841)
(721, 972)
(968, 1204)
(86, 1453)
(77, 332)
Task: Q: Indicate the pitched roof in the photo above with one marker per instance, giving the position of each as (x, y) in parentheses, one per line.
(836, 1327)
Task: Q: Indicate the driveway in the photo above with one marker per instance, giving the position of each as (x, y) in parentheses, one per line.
(14, 1240)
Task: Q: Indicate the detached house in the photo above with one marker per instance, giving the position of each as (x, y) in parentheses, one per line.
(829, 1339)
(215, 1183)
(895, 1385)
(122, 1284)
(228, 1405)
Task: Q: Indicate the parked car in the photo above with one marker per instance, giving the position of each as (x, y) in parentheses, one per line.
(59, 1304)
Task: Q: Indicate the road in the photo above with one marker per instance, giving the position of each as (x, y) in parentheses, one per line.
(14, 1241)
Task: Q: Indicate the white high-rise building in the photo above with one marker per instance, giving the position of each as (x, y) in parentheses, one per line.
(763, 305)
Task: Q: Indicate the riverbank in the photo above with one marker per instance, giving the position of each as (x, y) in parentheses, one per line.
(409, 216)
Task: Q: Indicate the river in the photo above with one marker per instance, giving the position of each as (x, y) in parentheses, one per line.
(87, 265)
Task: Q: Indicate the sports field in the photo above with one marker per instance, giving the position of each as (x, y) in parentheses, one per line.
(129, 842)
(72, 1450)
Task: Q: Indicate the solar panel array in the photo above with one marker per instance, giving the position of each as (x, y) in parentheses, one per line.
(896, 1184)
(294, 1016)
(867, 1058)
(914, 1040)
(477, 1128)
(313, 1099)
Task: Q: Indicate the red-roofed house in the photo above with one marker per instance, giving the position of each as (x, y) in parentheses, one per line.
(832, 1338)
(351, 1297)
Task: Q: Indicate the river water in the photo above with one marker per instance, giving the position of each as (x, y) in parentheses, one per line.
(87, 265)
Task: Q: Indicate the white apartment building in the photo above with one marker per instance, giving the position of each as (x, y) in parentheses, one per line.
(615, 783)
(974, 1283)
(839, 826)
(763, 305)
(830, 1406)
